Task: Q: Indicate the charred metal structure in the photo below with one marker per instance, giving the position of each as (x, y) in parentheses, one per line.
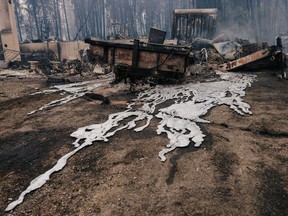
(189, 24)
(138, 59)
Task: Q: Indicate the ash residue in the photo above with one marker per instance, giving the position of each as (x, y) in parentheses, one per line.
(224, 161)
(273, 196)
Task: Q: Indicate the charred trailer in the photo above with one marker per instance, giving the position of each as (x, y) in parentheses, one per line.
(139, 59)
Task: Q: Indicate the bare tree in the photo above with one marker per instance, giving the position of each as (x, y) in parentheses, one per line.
(256, 20)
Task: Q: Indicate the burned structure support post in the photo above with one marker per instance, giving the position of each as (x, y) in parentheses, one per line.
(280, 57)
(135, 55)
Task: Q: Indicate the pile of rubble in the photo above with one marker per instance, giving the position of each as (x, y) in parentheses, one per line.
(208, 56)
(47, 64)
(224, 54)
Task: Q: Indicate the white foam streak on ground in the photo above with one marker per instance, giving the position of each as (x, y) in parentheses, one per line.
(46, 92)
(42, 179)
(179, 120)
(58, 102)
(96, 132)
(181, 132)
(75, 90)
(101, 132)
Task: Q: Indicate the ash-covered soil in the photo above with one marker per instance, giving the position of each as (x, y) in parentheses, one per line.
(241, 169)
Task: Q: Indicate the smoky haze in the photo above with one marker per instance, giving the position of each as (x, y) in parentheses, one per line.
(256, 20)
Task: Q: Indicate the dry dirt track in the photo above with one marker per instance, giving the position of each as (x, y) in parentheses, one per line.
(241, 169)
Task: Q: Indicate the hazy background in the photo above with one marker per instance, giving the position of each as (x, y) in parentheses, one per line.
(256, 20)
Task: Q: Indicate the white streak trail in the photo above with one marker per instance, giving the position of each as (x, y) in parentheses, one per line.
(178, 121)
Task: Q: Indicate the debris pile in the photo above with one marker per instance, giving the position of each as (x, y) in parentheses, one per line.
(138, 60)
(47, 64)
(230, 55)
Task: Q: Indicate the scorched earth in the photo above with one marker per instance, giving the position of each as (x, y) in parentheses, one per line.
(230, 157)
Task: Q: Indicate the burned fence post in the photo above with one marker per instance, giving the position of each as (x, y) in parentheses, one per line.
(280, 56)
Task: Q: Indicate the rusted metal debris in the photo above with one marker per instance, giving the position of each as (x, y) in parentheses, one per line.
(230, 50)
(138, 59)
(156, 36)
(244, 60)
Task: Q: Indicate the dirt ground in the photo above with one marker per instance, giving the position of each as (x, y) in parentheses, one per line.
(241, 169)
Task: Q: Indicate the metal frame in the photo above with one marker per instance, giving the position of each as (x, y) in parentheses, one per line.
(192, 23)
